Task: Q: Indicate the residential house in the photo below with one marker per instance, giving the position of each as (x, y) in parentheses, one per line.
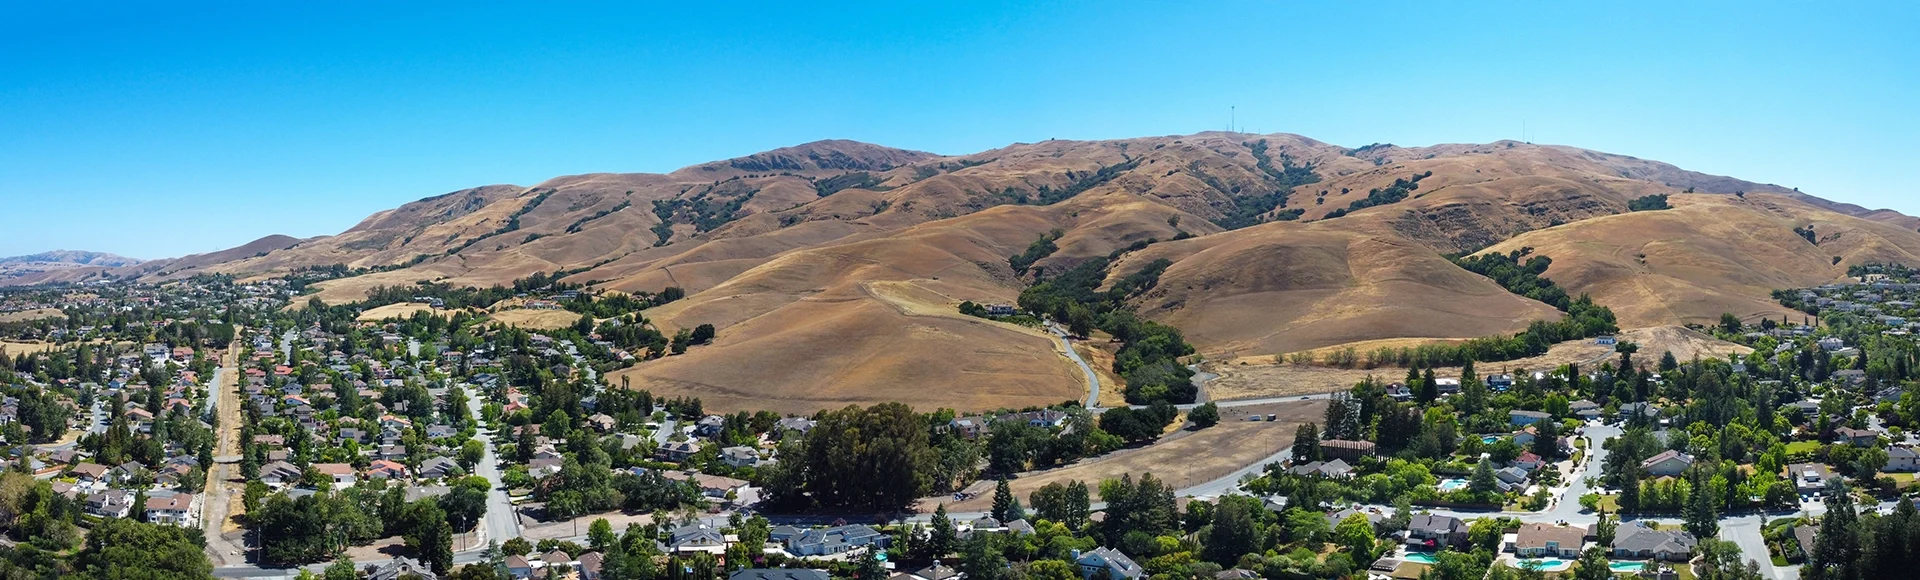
(1585, 409)
(1433, 532)
(1641, 541)
(1510, 478)
(1107, 563)
(676, 450)
(89, 472)
(1857, 437)
(590, 565)
(1668, 463)
(1336, 469)
(1527, 461)
(279, 473)
(112, 503)
(518, 567)
(1346, 450)
(1543, 540)
(969, 427)
(174, 510)
(403, 568)
(386, 469)
(697, 538)
(740, 456)
(439, 468)
(1520, 418)
(1902, 460)
(341, 473)
(1810, 478)
(835, 540)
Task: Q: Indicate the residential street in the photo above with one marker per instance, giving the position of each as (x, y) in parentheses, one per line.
(500, 522)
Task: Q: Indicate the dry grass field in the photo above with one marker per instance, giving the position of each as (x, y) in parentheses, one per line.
(401, 310)
(35, 314)
(1258, 377)
(1181, 459)
(535, 319)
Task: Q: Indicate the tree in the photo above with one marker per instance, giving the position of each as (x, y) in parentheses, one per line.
(1306, 443)
(121, 548)
(431, 537)
(1723, 560)
(1355, 533)
(1235, 530)
(1205, 416)
(341, 569)
(940, 541)
(1836, 553)
(1003, 501)
(516, 546)
(464, 507)
(1483, 481)
(1592, 565)
(600, 534)
(1052, 570)
(1702, 511)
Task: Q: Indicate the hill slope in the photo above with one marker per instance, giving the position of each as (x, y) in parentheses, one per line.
(832, 268)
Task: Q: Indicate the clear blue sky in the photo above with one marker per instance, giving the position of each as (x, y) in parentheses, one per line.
(165, 128)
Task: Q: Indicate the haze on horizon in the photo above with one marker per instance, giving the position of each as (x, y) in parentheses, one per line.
(151, 132)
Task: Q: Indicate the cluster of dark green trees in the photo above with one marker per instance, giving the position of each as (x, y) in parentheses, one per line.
(876, 458)
(320, 526)
(1854, 546)
(1520, 277)
(1399, 190)
(1251, 209)
(1653, 202)
(1150, 351)
(1036, 251)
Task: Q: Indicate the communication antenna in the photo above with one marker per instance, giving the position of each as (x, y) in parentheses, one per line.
(1233, 116)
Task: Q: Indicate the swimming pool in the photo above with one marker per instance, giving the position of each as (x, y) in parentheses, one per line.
(1419, 558)
(1545, 564)
(1626, 566)
(1447, 485)
(1490, 439)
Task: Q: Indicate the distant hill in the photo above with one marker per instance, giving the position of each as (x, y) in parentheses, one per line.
(58, 263)
(74, 258)
(832, 269)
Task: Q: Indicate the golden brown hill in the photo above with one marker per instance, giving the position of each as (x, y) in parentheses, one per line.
(1710, 254)
(832, 268)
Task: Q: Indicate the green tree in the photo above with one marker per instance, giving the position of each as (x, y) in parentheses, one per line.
(1723, 560)
(1483, 481)
(1003, 501)
(1592, 565)
(940, 541)
(1836, 553)
(1235, 531)
(1206, 415)
(1702, 511)
(1355, 533)
(119, 548)
(1306, 443)
(600, 534)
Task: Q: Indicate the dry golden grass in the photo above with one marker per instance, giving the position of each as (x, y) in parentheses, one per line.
(1711, 254)
(535, 319)
(35, 314)
(13, 348)
(1181, 460)
(1258, 377)
(401, 310)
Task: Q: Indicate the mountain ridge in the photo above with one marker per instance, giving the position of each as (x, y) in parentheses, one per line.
(1274, 243)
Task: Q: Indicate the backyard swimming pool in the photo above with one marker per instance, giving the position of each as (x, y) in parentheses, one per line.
(1545, 564)
(1628, 567)
(1419, 558)
(1490, 439)
(1447, 485)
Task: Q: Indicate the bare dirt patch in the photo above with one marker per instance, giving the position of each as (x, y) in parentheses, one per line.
(1183, 459)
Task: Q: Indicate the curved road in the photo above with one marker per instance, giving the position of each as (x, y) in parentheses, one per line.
(1093, 380)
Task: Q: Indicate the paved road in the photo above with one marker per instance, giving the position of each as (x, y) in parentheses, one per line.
(1093, 379)
(500, 522)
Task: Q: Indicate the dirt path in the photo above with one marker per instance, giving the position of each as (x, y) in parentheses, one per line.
(224, 482)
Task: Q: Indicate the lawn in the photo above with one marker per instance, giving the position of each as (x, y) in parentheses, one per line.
(1901, 480)
(1798, 447)
(1610, 503)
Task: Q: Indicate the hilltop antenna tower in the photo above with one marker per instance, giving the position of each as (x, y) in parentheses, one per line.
(1233, 117)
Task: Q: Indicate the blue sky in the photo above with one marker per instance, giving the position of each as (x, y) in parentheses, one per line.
(159, 129)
